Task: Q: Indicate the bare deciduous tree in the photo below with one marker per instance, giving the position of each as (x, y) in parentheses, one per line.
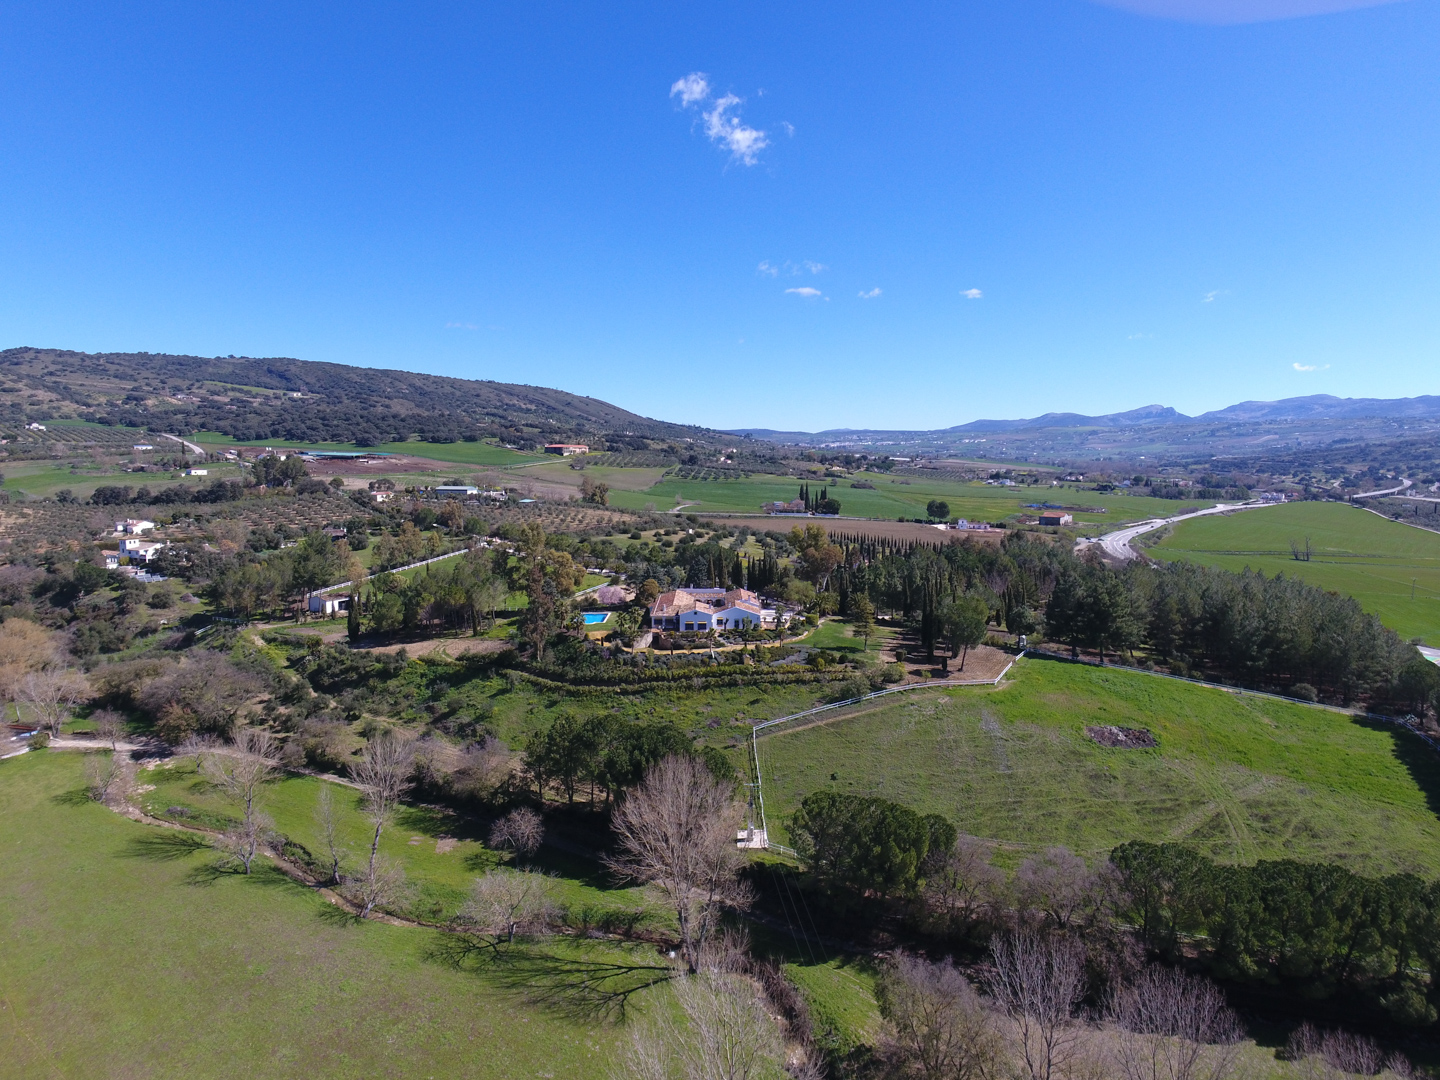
(242, 769)
(1178, 1026)
(1059, 887)
(50, 695)
(504, 903)
(483, 767)
(109, 725)
(676, 830)
(102, 773)
(239, 845)
(522, 831)
(961, 885)
(329, 832)
(380, 883)
(1333, 1055)
(943, 1029)
(383, 773)
(1038, 980)
(726, 1034)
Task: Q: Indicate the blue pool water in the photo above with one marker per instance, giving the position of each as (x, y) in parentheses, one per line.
(593, 617)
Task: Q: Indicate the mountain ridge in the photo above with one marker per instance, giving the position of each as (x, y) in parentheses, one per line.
(1310, 407)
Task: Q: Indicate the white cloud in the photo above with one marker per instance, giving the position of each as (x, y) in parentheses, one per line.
(766, 267)
(744, 143)
(789, 128)
(1311, 367)
(722, 127)
(870, 294)
(971, 294)
(461, 326)
(814, 267)
(1211, 296)
(805, 291)
(692, 88)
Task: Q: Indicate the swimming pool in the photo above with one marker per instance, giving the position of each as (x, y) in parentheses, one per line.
(594, 617)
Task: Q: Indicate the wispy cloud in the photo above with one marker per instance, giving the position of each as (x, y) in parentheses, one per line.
(1211, 296)
(723, 125)
(692, 88)
(870, 294)
(768, 268)
(971, 294)
(461, 326)
(1311, 367)
(743, 142)
(789, 128)
(1139, 337)
(805, 291)
(814, 267)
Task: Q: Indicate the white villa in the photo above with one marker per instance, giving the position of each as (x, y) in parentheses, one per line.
(701, 610)
(133, 526)
(140, 550)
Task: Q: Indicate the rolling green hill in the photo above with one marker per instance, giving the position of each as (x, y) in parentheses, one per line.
(1241, 777)
(281, 398)
(1392, 569)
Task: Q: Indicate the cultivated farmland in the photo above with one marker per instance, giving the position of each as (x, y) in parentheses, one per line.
(1239, 777)
(1392, 569)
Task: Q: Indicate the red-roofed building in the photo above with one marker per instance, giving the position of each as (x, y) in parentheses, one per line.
(701, 610)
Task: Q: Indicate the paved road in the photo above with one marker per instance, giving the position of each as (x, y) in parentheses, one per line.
(194, 448)
(1387, 491)
(1117, 544)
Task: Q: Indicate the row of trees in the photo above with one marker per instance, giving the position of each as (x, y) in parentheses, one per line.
(1315, 927)
(1244, 627)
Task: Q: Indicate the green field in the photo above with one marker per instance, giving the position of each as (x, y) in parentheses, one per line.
(1392, 569)
(463, 453)
(124, 955)
(892, 498)
(42, 479)
(1240, 777)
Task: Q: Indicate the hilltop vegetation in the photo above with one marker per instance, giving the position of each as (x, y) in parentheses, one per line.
(281, 398)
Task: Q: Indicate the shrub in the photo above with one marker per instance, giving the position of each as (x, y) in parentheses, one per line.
(1304, 691)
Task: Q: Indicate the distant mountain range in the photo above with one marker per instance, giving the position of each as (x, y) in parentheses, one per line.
(1313, 407)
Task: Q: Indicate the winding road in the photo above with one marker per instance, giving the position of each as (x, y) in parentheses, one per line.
(1116, 545)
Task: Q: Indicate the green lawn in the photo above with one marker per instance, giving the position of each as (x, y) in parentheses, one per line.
(1241, 777)
(1392, 569)
(837, 636)
(893, 497)
(463, 453)
(123, 955)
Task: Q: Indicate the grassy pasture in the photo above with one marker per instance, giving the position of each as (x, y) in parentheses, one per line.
(1240, 777)
(441, 852)
(40, 479)
(1371, 558)
(891, 498)
(125, 956)
(462, 453)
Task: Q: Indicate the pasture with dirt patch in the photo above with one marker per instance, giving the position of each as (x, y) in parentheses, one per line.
(1240, 777)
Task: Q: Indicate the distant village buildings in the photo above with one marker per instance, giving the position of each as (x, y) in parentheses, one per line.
(566, 449)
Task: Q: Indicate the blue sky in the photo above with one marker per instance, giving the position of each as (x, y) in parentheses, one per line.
(757, 214)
